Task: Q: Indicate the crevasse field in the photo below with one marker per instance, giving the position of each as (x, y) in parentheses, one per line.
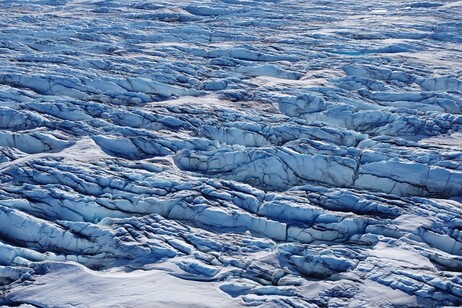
(227, 153)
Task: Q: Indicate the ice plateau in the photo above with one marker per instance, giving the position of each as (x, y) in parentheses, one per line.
(227, 153)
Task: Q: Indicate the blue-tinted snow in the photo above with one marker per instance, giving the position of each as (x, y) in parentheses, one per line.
(240, 152)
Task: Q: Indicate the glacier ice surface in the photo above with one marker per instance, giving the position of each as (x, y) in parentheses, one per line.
(230, 153)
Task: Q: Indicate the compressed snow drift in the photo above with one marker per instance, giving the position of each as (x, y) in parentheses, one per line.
(228, 153)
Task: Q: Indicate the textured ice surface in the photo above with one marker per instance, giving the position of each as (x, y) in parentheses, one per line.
(230, 153)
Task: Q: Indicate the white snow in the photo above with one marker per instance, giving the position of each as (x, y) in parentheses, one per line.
(71, 284)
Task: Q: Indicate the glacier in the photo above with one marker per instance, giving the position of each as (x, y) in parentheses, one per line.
(229, 153)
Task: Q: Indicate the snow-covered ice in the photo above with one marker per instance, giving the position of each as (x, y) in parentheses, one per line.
(227, 153)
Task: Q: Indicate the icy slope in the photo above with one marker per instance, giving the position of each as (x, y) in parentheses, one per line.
(230, 153)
